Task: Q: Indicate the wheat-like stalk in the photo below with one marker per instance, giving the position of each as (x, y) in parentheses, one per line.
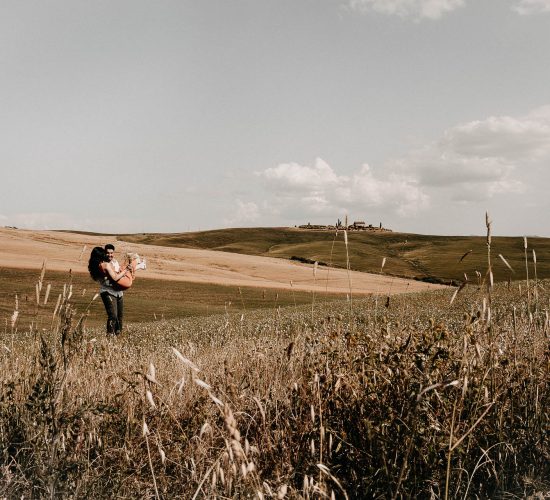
(535, 288)
(348, 269)
(527, 274)
(330, 259)
(315, 265)
(47, 294)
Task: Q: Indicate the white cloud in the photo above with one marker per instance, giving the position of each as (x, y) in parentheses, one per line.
(297, 177)
(416, 9)
(58, 220)
(243, 214)
(436, 9)
(299, 190)
(395, 192)
(526, 7)
(475, 161)
(441, 168)
(504, 137)
(483, 158)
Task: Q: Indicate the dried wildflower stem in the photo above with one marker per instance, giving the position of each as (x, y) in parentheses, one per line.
(313, 291)
(473, 426)
(378, 292)
(488, 223)
(404, 465)
(450, 452)
(145, 433)
(527, 273)
(205, 477)
(535, 286)
(242, 299)
(321, 423)
(348, 271)
(330, 259)
(293, 294)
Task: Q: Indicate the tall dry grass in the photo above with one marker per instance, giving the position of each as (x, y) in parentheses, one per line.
(431, 400)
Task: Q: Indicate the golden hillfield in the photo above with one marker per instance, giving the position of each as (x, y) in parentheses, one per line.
(277, 363)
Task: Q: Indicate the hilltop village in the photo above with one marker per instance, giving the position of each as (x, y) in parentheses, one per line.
(356, 226)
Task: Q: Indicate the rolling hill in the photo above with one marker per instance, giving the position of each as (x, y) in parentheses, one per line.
(425, 257)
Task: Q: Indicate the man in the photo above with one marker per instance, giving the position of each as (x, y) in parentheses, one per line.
(113, 298)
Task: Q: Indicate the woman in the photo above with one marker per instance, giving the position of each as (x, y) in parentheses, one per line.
(112, 283)
(102, 271)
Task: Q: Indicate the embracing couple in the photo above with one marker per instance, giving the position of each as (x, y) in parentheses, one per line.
(113, 280)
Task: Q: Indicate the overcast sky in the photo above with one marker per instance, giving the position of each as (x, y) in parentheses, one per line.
(134, 116)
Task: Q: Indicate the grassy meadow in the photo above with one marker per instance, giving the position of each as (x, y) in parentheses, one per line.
(149, 300)
(214, 392)
(407, 255)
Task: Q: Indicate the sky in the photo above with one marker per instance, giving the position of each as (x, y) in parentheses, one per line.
(129, 116)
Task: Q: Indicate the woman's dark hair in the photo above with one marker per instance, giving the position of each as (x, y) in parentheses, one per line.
(97, 256)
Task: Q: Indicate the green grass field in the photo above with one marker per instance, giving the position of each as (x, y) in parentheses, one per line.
(148, 300)
(407, 255)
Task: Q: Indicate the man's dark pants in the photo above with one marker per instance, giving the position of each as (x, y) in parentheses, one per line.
(114, 306)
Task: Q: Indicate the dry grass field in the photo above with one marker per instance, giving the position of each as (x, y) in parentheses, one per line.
(178, 282)
(434, 394)
(66, 251)
(150, 300)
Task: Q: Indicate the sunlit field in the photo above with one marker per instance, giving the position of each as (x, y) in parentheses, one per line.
(407, 397)
(148, 301)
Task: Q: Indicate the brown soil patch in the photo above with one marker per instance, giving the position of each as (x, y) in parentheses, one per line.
(27, 249)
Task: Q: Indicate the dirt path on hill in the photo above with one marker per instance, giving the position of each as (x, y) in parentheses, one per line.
(27, 249)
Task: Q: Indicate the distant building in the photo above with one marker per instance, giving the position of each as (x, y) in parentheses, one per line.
(358, 225)
(312, 226)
